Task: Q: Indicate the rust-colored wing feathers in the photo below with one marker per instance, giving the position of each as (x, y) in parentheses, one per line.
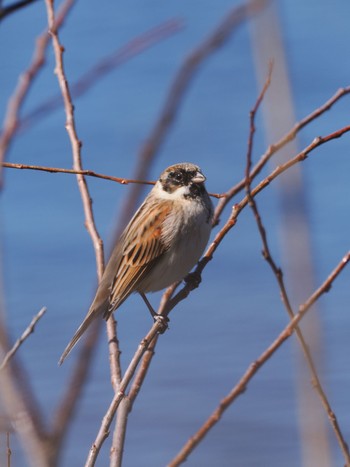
(140, 245)
(144, 245)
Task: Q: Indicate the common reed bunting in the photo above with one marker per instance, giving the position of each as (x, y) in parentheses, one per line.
(160, 245)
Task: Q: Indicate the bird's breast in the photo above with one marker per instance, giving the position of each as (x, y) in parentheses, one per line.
(185, 232)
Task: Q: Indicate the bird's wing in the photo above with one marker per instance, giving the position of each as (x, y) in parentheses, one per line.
(139, 247)
(143, 245)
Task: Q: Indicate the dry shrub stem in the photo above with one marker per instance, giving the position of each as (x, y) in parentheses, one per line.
(65, 411)
(274, 148)
(242, 384)
(315, 380)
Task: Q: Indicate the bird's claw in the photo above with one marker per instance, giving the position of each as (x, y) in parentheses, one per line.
(162, 322)
(193, 279)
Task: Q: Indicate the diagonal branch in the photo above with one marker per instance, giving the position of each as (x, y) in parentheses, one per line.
(169, 303)
(241, 386)
(274, 148)
(316, 383)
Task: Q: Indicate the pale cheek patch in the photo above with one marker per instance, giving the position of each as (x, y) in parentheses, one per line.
(179, 192)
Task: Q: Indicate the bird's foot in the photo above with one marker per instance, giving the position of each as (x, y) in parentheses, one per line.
(162, 321)
(193, 279)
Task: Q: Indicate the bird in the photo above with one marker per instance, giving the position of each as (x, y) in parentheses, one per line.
(161, 244)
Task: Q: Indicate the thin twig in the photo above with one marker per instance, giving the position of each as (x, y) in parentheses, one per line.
(69, 402)
(185, 291)
(237, 208)
(88, 173)
(272, 149)
(127, 402)
(103, 432)
(29, 330)
(242, 384)
(316, 383)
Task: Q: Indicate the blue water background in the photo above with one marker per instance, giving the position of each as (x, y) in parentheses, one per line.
(47, 257)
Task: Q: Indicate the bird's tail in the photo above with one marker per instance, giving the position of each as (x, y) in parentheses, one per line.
(91, 315)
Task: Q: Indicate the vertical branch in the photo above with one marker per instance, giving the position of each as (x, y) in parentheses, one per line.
(76, 145)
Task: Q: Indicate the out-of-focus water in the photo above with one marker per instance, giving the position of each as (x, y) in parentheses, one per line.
(47, 257)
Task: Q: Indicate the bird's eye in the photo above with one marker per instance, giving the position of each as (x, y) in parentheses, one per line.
(176, 176)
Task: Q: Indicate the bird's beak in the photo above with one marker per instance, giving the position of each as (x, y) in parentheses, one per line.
(198, 178)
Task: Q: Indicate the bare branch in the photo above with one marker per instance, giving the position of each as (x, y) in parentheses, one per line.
(190, 285)
(237, 208)
(241, 386)
(273, 149)
(69, 402)
(29, 330)
(316, 383)
(88, 173)
(108, 418)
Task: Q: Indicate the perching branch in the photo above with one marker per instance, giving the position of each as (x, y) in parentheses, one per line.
(190, 285)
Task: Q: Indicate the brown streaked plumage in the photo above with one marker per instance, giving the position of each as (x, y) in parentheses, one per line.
(160, 245)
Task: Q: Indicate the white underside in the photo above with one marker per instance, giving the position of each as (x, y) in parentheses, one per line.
(189, 231)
